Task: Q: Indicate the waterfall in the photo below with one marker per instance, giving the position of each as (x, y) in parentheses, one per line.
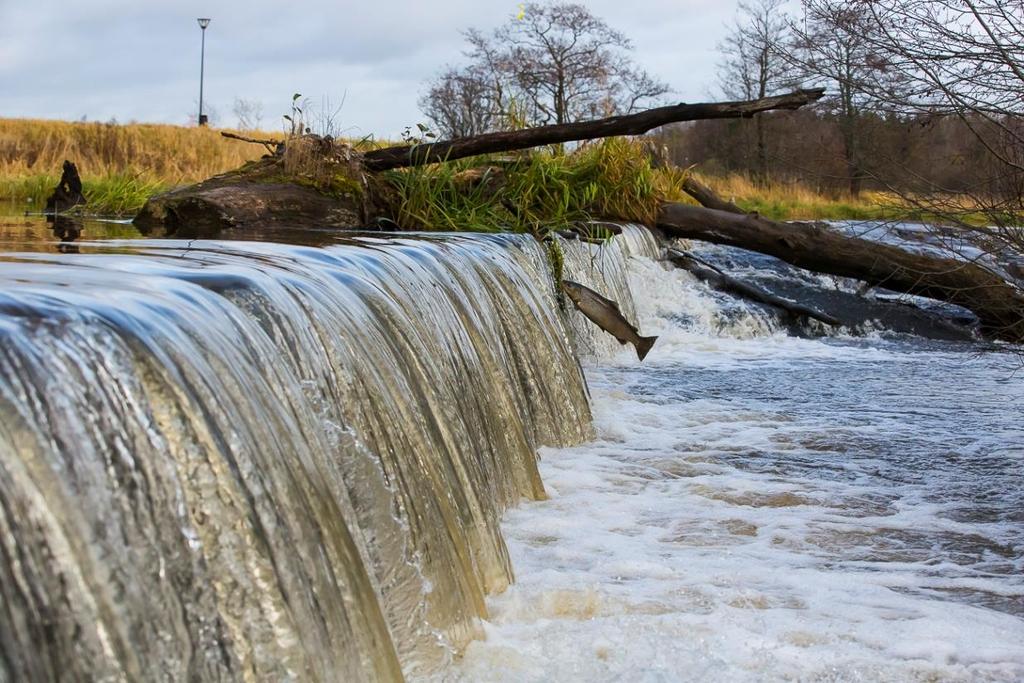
(266, 462)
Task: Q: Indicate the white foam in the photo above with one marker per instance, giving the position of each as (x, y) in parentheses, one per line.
(741, 518)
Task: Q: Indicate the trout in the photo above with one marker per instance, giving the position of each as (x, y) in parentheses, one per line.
(606, 314)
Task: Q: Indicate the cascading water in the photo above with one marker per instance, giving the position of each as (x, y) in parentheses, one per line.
(257, 461)
(262, 462)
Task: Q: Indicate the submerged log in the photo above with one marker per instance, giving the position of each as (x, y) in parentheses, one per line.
(998, 304)
(719, 281)
(627, 124)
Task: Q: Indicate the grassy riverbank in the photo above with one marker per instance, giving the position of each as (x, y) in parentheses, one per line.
(121, 165)
(792, 201)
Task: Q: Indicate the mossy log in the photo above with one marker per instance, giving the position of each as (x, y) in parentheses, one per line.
(316, 184)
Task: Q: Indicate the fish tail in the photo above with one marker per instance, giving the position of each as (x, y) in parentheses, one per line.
(643, 346)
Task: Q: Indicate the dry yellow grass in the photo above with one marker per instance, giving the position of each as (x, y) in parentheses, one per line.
(164, 153)
(780, 200)
(122, 164)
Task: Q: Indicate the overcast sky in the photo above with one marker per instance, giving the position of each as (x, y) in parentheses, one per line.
(139, 59)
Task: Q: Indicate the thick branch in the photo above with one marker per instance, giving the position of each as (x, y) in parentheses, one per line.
(271, 145)
(703, 194)
(997, 303)
(629, 124)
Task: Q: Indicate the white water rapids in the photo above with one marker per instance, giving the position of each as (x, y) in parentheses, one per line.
(763, 507)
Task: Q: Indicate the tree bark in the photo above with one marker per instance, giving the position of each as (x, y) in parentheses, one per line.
(630, 124)
(998, 304)
(68, 192)
(706, 196)
(718, 280)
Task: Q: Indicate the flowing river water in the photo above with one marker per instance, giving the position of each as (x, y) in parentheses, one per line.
(227, 460)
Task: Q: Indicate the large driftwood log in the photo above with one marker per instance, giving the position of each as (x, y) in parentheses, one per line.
(257, 199)
(628, 124)
(998, 304)
(718, 280)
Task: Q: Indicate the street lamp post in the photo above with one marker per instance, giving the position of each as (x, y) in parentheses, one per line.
(203, 23)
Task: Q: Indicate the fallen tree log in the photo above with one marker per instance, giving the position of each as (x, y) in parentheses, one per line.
(721, 282)
(704, 194)
(627, 124)
(998, 304)
(257, 198)
(321, 183)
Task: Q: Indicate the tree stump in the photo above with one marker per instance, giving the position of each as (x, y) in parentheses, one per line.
(68, 192)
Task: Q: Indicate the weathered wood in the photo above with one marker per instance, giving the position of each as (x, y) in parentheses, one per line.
(998, 304)
(273, 146)
(704, 194)
(718, 280)
(628, 124)
(68, 192)
(250, 200)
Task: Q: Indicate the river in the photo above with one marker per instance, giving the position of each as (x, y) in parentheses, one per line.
(228, 460)
(760, 506)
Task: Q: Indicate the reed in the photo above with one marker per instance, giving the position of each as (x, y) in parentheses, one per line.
(780, 200)
(173, 154)
(120, 165)
(534, 192)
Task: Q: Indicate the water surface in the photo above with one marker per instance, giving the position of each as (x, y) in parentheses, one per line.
(764, 507)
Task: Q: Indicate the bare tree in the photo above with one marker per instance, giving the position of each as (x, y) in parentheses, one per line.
(964, 59)
(835, 47)
(249, 113)
(462, 102)
(754, 62)
(551, 64)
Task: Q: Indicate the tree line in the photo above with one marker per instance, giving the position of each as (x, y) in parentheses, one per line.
(924, 96)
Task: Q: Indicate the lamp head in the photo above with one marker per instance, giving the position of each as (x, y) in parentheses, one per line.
(203, 23)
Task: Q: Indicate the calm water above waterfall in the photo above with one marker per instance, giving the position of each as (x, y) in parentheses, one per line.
(267, 462)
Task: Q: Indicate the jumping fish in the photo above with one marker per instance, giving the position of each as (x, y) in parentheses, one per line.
(606, 314)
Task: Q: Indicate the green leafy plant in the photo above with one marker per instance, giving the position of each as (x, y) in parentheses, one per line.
(536, 193)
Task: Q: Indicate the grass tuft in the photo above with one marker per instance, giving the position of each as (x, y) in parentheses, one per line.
(535, 193)
(120, 165)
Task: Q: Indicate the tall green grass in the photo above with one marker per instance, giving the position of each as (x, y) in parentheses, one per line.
(117, 195)
(536, 192)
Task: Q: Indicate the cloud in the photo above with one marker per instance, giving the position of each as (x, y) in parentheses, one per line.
(139, 59)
